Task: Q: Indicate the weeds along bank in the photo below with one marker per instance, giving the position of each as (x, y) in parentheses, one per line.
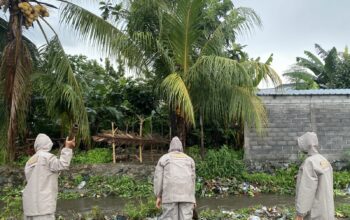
(221, 173)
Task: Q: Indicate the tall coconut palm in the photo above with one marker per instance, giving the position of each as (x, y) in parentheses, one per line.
(62, 91)
(198, 76)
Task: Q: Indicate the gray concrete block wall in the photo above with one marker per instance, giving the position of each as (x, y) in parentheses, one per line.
(291, 116)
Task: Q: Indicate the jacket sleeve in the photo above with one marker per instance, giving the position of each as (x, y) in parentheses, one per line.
(62, 163)
(158, 180)
(306, 189)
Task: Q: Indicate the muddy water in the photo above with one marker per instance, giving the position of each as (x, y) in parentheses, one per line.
(113, 204)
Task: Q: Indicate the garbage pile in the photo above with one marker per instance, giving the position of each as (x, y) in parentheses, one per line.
(257, 213)
(225, 186)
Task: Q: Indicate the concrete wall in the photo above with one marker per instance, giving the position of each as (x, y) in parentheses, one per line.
(291, 116)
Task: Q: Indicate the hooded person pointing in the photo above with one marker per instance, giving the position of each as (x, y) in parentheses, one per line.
(314, 193)
(174, 183)
(41, 171)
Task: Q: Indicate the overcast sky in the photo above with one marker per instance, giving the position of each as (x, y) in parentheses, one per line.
(289, 28)
(292, 26)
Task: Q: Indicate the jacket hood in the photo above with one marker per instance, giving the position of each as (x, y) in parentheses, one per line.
(308, 142)
(175, 145)
(42, 143)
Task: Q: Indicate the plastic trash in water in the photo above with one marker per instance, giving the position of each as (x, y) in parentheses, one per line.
(82, 184)
(348, 190)
(245, 187)
(254, 217)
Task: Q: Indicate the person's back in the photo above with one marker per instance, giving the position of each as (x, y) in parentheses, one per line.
(178, 177)
(314, 191)
(174, 183)
(41, 171)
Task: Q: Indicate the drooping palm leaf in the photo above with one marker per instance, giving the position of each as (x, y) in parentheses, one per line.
(247, 108)
(101, 34)
(61, 90)
(224, 70)
(178, 95)
(302, 78)
(320, 51)
(261, 71)
(310, 64)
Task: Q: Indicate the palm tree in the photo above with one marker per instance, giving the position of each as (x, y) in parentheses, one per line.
(198, 76)
(60, 87)
(313, 72)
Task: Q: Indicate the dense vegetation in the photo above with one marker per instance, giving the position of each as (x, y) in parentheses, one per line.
(326, 69)
(172, 66)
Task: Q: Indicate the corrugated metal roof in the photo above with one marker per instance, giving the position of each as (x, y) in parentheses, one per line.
(292, 92)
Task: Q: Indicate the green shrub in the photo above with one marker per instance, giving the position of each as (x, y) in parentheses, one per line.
(142, 209)
(341, 179)
(12, 200)
(224, 163)
(282, 181)
(343, 210)
(22, 160)
(94, 156)
(194, 152)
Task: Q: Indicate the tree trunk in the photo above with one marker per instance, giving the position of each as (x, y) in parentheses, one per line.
(12, 56)
(202, 135)
(177, 125)
(113, 143)
(181, 129)
(173, 124)
(141, 118)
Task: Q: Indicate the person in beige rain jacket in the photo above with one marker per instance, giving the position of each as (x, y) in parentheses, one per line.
(314, 192)
(174, 183)
(41, 171)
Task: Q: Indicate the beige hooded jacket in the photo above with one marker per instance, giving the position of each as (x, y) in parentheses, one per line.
(174, 177)
(314, 193)
(41, 171)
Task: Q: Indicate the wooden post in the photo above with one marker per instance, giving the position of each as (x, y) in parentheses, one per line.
(202, 134)
(113, 143)
(152, 137)
(140, 146)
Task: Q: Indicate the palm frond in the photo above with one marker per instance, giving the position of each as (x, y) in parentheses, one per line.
(61, 90)
(313, 58)
(177, 94)
(331, 61)
(299, 74)
(311, 65)
(164, 54)
(182, 30)
(301, 78)
(320, 51)
(224, 70)
(251, 20)
(262, 71)
(100, 33)
(245, 106)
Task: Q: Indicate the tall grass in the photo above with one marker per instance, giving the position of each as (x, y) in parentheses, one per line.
(224, 163)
